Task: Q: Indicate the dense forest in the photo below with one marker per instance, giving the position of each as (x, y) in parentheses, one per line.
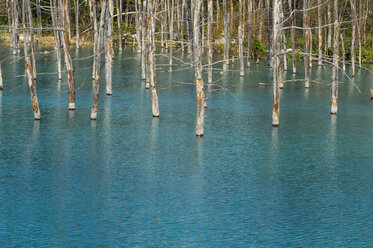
(317, 32)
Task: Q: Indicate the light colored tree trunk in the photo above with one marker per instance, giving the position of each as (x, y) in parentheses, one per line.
(306, 45)
(143, 40)
(249, 30)
(139, 15)
(152, 71)
(119, 12)
(209, 35)
(77, 22)
(240, 40)
(27, 26)
(226, 36)
(68, 59)
(57, 35)
(334, 108)
(320, 31)
(198, 68)
(285, 57)
(97, 64)
(329, 26)
(95, 27)
(171, 30)
(343, 54)
(108, 48)
(353, 34)
(277, 20)
(182, 25)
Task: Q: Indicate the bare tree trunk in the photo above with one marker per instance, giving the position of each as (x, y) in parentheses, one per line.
(139, 15)
(329, 27)
(249, 30)
(277, 20)
(171, 30)
(285, 58)
(334, 108)
(306, 45)
(226, 36)
(320, 31)
(198, 68)
(31, 32)
(269, 33)
(353, 35)
(240, 40)
(143, 40)
(343, 54)
(209, 31)
(95, 27)
(152, 71)
(77, 22)
(27, 26)
(97, 64)
(57, 40)
(68, 59)
(10, 15)
(108, 48)
(182, 25)
(119, 12)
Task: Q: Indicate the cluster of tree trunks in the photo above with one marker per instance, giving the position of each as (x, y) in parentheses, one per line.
(182, 22)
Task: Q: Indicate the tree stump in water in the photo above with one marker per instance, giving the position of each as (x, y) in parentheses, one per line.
(371, 94)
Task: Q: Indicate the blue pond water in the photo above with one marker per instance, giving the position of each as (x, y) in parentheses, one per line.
(133, 181)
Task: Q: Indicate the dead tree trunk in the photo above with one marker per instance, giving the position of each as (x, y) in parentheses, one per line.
(320, 31)
(77, 22)
(334, 108)
(152, 71)
(284, 40)
(143, 40)
(119, 12)
(27, 26)
(68, 59)
(209, 31)
(306, 36)
(269, 33)
(240, 41)
(138, 24)
(343, 54)
(329, 44)
(97, 64)
(32, 45)
(182, 25)
(95, 27)
(354, 24)
(226, 36)
(171, 30)
(277, 20)
(57, 35)
(249, 30)
(108, 48)
(198, 68)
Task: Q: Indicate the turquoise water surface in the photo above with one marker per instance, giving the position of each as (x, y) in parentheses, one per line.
(130, 180)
